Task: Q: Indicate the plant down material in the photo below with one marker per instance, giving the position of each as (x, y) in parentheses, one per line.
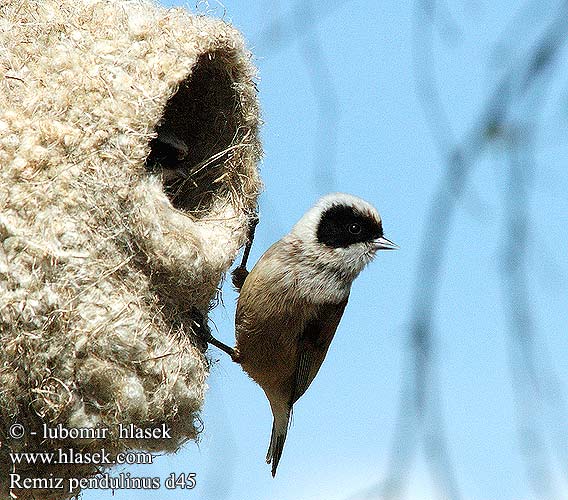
(112, 246)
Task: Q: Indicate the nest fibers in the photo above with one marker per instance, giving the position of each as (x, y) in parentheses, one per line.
(128, 152)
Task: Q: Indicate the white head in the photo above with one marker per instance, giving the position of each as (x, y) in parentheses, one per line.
(340, 234)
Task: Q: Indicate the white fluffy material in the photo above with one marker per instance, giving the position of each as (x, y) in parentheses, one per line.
(100, 276)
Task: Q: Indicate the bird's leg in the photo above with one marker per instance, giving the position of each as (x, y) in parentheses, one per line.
(240, 273)
(202, 330)
(224, 347)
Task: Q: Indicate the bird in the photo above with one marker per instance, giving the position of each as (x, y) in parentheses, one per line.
(168, 155)
(291, 302)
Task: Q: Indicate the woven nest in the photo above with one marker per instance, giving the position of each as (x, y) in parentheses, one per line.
(128, 152)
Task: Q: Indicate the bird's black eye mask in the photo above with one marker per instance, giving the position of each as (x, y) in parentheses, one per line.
(342, 225)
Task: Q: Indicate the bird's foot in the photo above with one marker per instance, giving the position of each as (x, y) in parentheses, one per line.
(239, 274)
(203, 332)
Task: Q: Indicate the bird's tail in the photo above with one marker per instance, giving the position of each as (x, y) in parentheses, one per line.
(279, 430)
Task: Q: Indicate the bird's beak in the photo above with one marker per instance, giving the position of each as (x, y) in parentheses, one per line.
(384, 244)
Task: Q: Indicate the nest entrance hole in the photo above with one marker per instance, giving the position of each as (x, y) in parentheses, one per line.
(198, 135)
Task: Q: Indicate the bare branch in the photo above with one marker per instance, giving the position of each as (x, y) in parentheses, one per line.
(524, 80)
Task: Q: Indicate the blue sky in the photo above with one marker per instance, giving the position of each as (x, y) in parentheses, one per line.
(343, 427)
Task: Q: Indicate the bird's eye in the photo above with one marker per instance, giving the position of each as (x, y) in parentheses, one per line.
(354, 228)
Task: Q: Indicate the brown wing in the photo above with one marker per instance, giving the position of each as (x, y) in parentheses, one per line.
(313, 344)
